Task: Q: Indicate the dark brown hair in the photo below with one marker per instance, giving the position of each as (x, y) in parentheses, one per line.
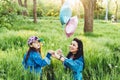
(79, 52)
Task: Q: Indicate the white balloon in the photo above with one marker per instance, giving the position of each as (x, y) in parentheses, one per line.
(71, 26)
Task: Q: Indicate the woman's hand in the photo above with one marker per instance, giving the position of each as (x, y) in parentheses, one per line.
(54, 54)
(61, 56)
(59, 52)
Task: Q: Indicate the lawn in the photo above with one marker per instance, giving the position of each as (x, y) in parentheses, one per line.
(101, 49)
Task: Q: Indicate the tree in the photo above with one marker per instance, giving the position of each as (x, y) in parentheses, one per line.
(20, 2)
(88, 14)
(107, 7)
(24, 12)
(34, 11)
(62, 1)
(98, 10)
(116, 10)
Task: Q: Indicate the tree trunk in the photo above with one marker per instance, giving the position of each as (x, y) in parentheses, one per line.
(88, 14)
(62, 1)
(25, 6)
(20, 2)
(34, 11)
(24, 12)
(116, 10)
(106, 15)
(25, 3)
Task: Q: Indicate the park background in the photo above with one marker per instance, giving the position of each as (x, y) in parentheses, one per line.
(98, 28)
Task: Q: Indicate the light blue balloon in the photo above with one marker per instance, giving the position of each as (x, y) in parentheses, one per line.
(65, 14)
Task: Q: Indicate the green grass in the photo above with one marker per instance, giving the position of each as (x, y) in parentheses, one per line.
(101, 49)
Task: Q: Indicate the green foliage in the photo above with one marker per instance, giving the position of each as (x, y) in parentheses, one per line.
(49, 9)
(52, 13)
(101, 50)
(10, 42)
(99, 12)
(40, 12)
(8, 13)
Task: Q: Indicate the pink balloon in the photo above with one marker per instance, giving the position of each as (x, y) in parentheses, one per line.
(71, 26)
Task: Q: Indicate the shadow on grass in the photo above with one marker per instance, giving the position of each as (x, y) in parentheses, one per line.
(90, 34)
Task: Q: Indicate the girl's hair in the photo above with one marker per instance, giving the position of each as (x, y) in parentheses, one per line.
(79, 52)
(32, 49)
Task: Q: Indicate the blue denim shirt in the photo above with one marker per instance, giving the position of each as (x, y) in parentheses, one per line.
(76, 66)
(35, 62)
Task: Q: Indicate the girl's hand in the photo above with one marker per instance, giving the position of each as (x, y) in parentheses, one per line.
(51, 52)
(59, 52)
(55, 55)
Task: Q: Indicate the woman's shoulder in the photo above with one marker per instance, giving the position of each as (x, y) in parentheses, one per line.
(80, 58)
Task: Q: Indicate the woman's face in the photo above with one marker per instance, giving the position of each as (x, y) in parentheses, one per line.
(35, 44)
(74, 47)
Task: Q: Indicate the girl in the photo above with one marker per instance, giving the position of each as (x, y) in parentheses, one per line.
(75, 58)
(32, 60)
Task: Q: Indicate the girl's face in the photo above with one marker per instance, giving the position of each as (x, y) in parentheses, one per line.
(35, 44)
(74, 47)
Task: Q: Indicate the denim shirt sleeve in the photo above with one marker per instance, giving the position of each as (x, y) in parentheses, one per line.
(75, 65)
(23, 62)
(41, 62)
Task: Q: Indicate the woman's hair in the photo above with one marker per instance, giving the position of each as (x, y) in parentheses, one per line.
(79, 52)
(32, 49)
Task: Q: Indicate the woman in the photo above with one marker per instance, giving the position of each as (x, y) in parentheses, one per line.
(74, 59)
